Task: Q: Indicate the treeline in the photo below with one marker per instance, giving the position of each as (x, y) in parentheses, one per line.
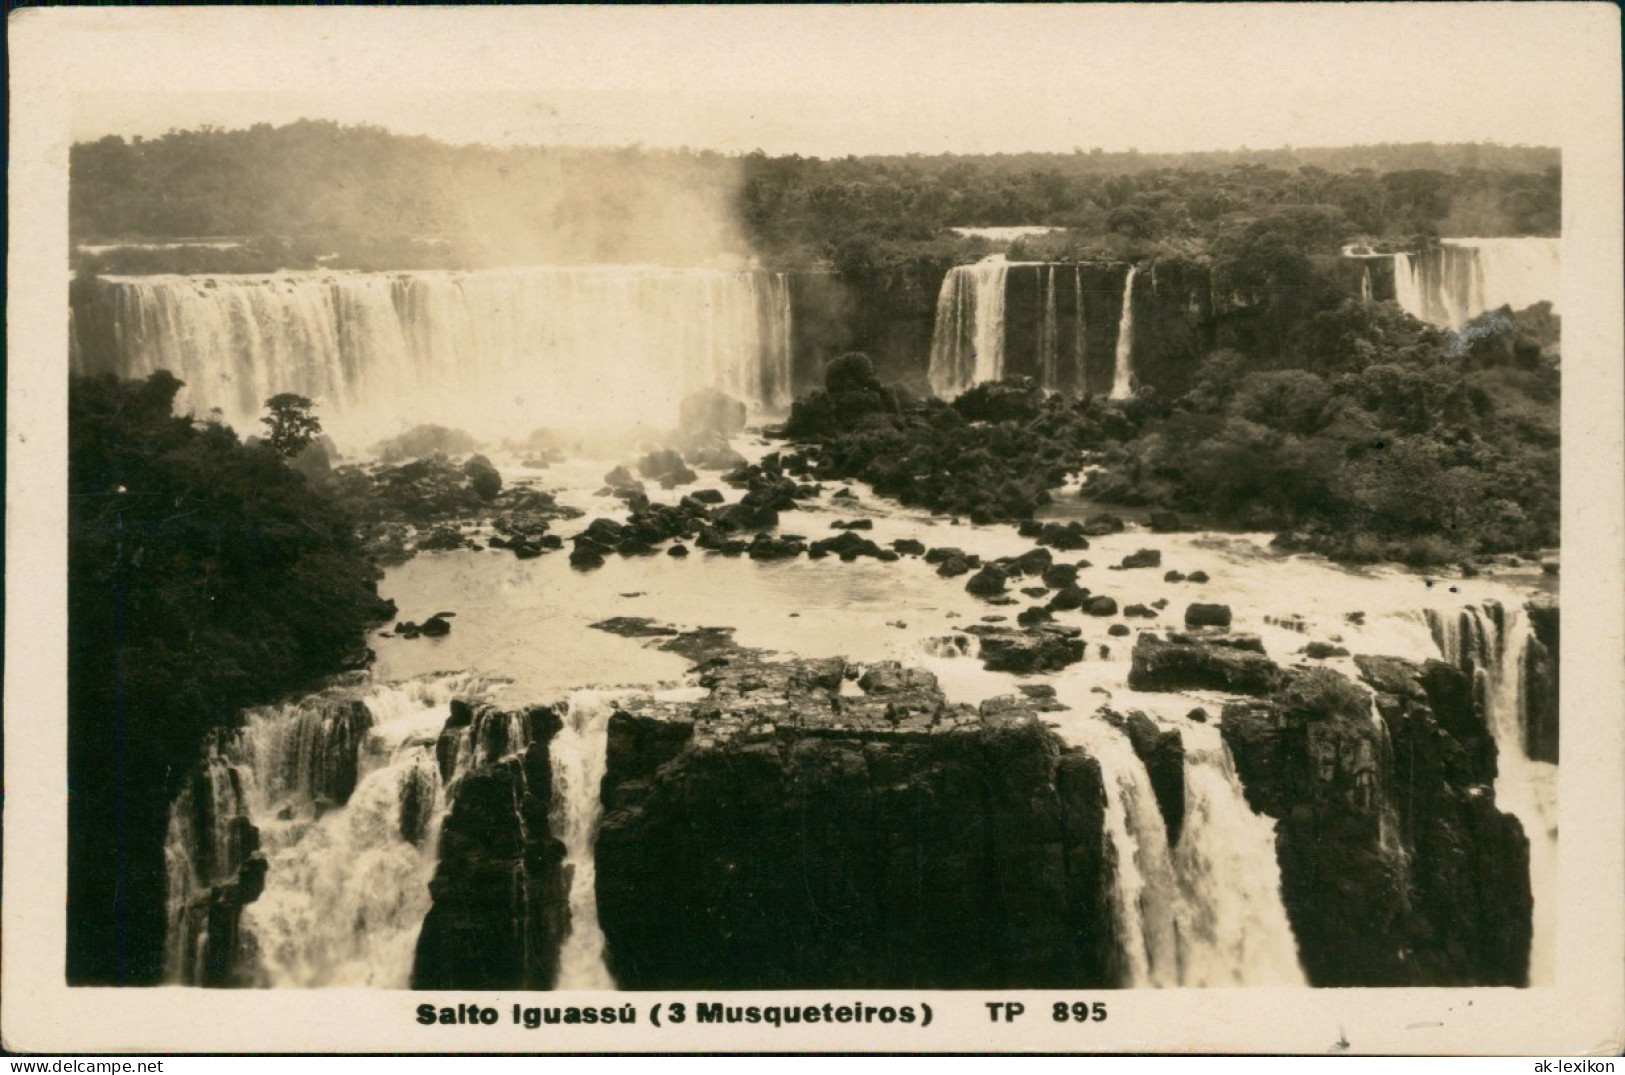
(364, 197)
(1374, 437)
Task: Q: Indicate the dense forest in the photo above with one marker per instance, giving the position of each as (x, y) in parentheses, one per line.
(203, 576)
(365, 198)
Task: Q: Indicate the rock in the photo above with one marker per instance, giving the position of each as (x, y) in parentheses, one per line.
(586, 557)
(500, 890)
(1199, 715)
(435, 626)
(909, 547)
(1173, 576)
(1043, 648)
(1165, 522)
(710, 411)
(706, 496)
(1100, 606)
(1060, 576)
(1036, 614)
(1320, 651)
(953, 567)
(1068, 598)
(677, 550)
(1066, 537)
(1015, 399)
(1541, 675)
(1200, 615)
(1197, 576)
(855, 524)
(1102, 523)
(665, 467)
(780, 835)
(844, 493)
(1191, 664)
(1033, 562)
(1394, 870)
(1163, 753)
(987, 582)
(1143, 558)
(849, 546)
(1118, 630)
(483, 478)
(621, 483)
(1140, 611)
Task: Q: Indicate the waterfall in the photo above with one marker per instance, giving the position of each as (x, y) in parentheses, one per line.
(578, 755)
(1208, 912)
(502, 351)
(344, 792)
(1451, 283)
(1365, 283)
(1489, 643)
(967, 342)
(1047, 335)
(1123, 372)
(206, 842)
(1079, 343)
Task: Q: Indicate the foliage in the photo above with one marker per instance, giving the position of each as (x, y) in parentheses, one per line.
(203, 576)
(1392, 441)
(291, 423)
(317, 193)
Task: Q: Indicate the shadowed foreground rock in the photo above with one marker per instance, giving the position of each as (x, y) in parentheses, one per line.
(501, 893)
(799, 830)
(1396, 866)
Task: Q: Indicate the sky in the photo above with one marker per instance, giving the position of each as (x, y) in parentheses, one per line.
(833, 80)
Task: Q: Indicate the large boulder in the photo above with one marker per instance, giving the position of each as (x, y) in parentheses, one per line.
(788, 833)
(1396, 866)
(1201, 615)
(1039, 647)
(1186, 662)
(1163, 752)
(483, 478)
(500, 888)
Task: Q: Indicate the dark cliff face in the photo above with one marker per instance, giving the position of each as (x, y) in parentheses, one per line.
(888, 313)
(1388, 881)
(500, 890)
(787, 833)
(1541, 675)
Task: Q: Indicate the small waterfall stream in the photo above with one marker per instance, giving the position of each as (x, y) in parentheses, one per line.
(967, 344)
(1207, 911)
(578, 755)
(1489, 643)
(1123, 371)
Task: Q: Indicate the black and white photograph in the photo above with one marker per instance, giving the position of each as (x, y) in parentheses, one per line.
(659, 521)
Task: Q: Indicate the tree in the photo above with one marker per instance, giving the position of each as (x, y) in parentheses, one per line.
(291, 422)
(203, 576)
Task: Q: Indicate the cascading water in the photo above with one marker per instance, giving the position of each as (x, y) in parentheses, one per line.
(345, 792)
(1048, 335)
(967, 343)
(1208, 911)
(503, 351)
(1490, 643)
(1455, 281)
(578, 755)
(1365, 283)
(1123, 371)
(1079, 342)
